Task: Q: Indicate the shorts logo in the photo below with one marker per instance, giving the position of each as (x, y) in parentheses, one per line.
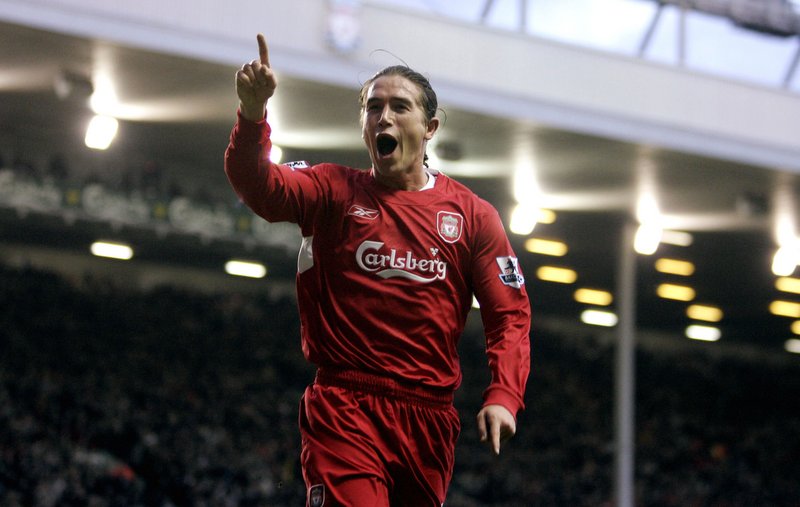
(509, 272)
(449, 225)
(316, 495)
(362, 212)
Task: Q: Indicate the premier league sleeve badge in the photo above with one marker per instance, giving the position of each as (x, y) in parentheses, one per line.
(509, 272)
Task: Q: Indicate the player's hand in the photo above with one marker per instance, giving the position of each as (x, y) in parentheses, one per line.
(255, 83)
(496, 424)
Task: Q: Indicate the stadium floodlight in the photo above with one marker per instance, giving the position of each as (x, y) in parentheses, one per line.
(648, 235)
(523, 219)
(112, 250)
(674, 267)
(546, 216)
(276, 154)
(704, 312)
(676, 292)
(101, 131)
(785, 309)
(249, 269)
(676, 238)
(599, 318)
(788, 284)
(546, 247)
(703, 333)
(593, 297)
(792, 345)
(785, 260)
(556, 274)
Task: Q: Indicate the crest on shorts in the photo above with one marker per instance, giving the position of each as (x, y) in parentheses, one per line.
(316, 495)
(449, 226)
(509, 272)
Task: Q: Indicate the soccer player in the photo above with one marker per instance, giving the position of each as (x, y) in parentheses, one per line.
(389, 263)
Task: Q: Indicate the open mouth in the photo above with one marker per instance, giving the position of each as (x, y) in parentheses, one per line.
(386, 144)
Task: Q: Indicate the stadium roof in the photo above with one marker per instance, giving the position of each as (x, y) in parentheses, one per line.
(180, 110)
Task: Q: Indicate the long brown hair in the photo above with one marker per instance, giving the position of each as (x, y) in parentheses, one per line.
(427, 97)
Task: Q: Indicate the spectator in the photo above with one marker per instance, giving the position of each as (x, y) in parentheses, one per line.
(121, 398)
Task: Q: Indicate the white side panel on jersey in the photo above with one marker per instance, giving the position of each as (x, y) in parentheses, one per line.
(305, 259)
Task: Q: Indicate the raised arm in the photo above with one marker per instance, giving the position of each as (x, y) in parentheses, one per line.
(274, 192)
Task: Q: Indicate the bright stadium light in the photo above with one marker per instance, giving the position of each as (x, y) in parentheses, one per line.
(546, 216)
(785, 309)
(703, 333)
(704, 312)
(523, 219)
(111, 250)
(674, 267)
(648, 235)
(647, 239)
(276, 154)
(556, 274)
(599, 318)
(792, 345)
(785, 260)
(676, 292)
(593, 297)
(546, 247)
(788, 284)
(247, 269)
(677, 238)
(100, 132)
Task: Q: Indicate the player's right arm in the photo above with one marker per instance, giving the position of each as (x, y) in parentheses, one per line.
(276, 193)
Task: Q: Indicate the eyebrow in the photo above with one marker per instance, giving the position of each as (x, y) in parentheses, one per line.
(395, 100)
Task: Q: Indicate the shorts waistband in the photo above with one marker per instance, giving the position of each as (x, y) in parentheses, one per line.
(370, 383)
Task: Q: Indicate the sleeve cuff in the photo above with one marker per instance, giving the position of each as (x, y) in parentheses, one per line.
(496, 395)
(258, 131)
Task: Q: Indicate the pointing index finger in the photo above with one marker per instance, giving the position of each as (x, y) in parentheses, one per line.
(263, 52)
(494, 431)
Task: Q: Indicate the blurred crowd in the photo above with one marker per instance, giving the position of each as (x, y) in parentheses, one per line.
(116, 397)
(146, 179)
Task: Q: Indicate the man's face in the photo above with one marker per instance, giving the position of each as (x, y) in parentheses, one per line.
(394, 127)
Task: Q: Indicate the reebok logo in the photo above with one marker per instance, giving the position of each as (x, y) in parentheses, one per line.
(391, 263)
(362, 212)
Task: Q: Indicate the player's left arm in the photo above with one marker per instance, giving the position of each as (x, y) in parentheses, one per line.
(499, 286)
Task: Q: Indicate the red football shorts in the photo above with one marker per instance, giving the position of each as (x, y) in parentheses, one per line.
(368, 441)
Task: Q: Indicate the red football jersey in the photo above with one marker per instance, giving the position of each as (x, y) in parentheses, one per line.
(386, 277)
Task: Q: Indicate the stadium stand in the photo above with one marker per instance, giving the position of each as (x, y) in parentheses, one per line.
(112, 397)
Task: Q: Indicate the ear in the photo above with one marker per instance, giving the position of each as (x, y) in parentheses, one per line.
(433, 126)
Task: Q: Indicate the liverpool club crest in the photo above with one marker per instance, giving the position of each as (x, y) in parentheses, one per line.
(450, 225)
(316, 495)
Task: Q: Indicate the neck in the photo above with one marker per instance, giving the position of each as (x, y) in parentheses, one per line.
(412, 180)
